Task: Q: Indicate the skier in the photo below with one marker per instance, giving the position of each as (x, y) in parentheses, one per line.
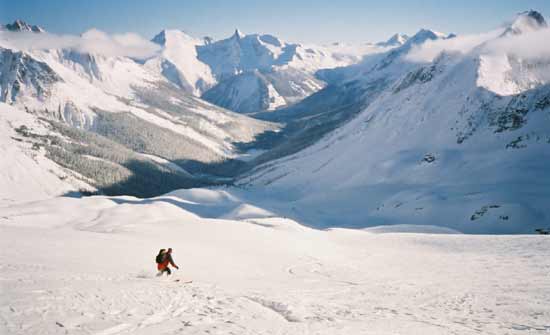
(164, 258)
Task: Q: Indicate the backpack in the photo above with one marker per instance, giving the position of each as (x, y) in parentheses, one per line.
(160, 258)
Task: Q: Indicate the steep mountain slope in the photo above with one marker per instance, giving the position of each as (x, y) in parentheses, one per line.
(116, 102)
(460, 141)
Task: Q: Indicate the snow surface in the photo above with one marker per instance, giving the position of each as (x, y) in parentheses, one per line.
(85, 266)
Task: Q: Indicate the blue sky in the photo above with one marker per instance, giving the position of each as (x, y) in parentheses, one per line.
(293, 20)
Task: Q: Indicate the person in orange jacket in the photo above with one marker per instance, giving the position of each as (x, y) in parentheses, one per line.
(164, 258)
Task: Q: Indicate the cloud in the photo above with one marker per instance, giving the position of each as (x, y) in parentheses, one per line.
(464, 44)
(92, 41)
(531, 45)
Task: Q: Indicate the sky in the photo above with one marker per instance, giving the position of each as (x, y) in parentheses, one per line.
(314, 21)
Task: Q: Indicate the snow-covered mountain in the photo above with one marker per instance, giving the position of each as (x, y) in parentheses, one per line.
(178, 62)
(395, 40)
(460, 140)
(95, 105)
(526, 22)
(249, 73)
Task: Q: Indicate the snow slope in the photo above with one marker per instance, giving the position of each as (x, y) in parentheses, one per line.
(86, 266)
(460, 142)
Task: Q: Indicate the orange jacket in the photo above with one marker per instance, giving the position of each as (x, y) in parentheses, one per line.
(166, 260)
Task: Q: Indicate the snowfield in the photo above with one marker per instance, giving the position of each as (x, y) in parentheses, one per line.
(85, 266)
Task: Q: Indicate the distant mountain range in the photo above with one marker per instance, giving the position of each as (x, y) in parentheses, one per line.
(249, 73)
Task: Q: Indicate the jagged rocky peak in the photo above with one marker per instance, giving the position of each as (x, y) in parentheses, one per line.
(526, 22)
(19, 25)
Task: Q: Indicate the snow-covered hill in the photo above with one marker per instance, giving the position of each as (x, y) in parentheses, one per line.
(459, 138)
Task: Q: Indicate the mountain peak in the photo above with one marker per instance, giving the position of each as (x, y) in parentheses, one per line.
(19, 25)
(395, 40)
(166, 35)
(526, 22)
(423, 35)
(238, 34)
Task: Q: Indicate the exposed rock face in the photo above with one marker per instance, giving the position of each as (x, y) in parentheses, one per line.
(20, 71)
